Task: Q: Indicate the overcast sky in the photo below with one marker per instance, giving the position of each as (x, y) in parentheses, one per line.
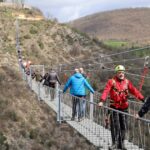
(67, 10)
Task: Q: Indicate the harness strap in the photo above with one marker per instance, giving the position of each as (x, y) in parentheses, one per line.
(121, 91)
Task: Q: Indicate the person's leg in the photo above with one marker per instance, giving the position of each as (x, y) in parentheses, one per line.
(115, 129)
(78, 107)
(46, 91)
(74, 103)
(83, 106)
(123, 126)
(52, 89)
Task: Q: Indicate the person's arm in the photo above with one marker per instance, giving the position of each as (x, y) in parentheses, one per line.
(135, 92)
(145, 108)
(105, 93)
(58, 79)
(88, 86)
(67, 85)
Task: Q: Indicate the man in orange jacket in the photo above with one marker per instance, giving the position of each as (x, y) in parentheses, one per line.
(119, 88)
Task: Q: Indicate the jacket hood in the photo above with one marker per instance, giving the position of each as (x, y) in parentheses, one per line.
(78, 75)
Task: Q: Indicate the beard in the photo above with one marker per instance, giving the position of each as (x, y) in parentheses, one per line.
(121, 77)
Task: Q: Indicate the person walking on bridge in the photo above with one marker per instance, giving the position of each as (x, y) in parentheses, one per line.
(77, 84)
(144, 109)
(46, 84)
(119, 88)
(83, 101)
(53, 78)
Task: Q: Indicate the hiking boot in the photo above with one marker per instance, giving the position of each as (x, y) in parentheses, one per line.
(123, 147)
(113, 147)
(72, 119)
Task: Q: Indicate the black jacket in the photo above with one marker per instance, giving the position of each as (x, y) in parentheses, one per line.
(45, 78)
(145, 108)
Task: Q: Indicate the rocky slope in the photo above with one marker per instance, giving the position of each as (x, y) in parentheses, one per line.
(26, 123)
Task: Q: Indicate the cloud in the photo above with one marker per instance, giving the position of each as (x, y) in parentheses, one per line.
(66, 10)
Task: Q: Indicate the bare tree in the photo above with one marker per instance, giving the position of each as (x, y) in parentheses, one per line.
(19, 2)
(22, 3)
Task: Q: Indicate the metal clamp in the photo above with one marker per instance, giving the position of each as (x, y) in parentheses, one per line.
(146, 61)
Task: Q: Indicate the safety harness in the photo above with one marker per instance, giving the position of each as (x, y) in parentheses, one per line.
(119, 92)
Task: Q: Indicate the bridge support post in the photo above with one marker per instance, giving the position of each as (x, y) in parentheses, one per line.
(91, 106)
(58, 101)
(30, 77)
(39, 92)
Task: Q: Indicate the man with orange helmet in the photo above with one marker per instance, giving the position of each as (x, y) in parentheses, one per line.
(119, 88)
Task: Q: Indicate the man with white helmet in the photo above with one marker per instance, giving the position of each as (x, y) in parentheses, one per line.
(119, 88)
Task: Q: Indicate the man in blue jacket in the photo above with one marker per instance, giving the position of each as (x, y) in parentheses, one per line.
(77, 84)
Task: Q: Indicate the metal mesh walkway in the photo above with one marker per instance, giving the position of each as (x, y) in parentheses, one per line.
(91, 128)
(96, 134)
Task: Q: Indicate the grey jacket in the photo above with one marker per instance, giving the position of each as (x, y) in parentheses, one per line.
(53, 77)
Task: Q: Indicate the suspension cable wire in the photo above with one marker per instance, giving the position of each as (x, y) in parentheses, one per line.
(114, 54)
(102, 68)
(109, 108)
(124, 60)
(148, 77)
(110, 62)
(95, 70)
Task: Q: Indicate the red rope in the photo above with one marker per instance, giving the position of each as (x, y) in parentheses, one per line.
(145, 71)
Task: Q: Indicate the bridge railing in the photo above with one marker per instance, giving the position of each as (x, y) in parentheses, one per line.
(94, 119)
(137, 130)
(134, 105)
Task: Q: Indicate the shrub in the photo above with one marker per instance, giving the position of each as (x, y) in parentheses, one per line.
(27, 36)
(2, 78)
(41, 45)
(33, 30)
(33, 133)
(12, 115)
(3, 142)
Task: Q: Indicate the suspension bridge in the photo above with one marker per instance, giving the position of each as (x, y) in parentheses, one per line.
(93, 125)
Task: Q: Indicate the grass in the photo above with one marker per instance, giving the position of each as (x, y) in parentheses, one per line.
(116, 44)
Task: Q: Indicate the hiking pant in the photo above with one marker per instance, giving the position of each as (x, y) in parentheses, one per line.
(83, 106)
(76, 106)
(118, 125)
(47, 90)
(52, 85)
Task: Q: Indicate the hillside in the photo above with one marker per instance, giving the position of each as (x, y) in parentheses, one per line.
(26, 123)
(131, 25)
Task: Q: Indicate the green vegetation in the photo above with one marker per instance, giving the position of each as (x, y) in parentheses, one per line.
(27, 36)
(3, 142)
(81, 33)
(41, 45)
(33, 30)
(116, 44)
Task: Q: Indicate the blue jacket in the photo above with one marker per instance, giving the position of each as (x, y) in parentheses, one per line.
(77, 84)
